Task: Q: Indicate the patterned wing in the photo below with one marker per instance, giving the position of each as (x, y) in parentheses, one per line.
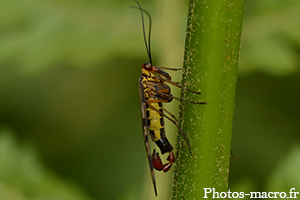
(145, 132)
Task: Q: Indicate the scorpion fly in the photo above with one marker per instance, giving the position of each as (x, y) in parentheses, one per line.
(153, 92)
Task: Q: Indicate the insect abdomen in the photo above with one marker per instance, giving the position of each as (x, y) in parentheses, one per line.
(155, 124)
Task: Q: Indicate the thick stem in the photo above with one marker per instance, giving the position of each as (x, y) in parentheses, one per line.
(210, 66)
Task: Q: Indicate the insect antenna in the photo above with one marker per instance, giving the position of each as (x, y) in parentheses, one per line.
(144, 32)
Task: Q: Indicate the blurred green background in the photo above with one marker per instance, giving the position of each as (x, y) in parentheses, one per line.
(70, 124)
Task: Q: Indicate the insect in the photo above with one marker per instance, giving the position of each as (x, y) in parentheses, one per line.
(153, 92)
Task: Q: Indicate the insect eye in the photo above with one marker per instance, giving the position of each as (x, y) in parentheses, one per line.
(147, 66)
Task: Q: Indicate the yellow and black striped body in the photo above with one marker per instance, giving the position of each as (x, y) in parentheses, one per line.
(153, 93)
(155, 124)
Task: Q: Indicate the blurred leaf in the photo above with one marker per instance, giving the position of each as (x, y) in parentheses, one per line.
(270, 37)
(86, 123)
(23, 177)
(286, 174)
(36, 36)
(244, 184)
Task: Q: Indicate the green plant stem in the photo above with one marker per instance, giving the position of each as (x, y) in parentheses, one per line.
(210, 66)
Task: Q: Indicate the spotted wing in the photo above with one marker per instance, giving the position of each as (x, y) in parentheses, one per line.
(145, 132)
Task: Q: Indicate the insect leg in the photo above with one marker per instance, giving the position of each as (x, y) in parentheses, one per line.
(234, 156)
(193, 102)
(170, 96)
(162, 91)
(173, 116)
(168, 68)
(162, 101)
(174, 122)
(181, 87)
